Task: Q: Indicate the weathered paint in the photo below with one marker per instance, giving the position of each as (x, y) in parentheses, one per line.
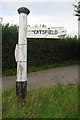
(22, 49)
(21, 54)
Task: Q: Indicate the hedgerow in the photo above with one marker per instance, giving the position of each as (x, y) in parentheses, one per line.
(40, 51)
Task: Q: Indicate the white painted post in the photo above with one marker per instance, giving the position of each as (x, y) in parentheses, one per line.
(21, 54)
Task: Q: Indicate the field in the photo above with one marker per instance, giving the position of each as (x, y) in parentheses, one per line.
(50, 102)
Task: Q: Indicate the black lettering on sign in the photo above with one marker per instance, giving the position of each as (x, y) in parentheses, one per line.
(37, 31)
(55, 32)
(40, 31)
(34, 31)
(50, 32)
(44, 31)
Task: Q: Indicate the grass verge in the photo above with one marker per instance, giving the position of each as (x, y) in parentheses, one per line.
(49, 66)
(12, 72)
(49, 102)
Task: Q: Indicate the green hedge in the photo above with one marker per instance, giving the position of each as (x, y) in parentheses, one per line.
(9, 40)
(40, 51)
(50, 51)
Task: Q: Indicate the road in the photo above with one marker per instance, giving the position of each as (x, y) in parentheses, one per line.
(63, 75)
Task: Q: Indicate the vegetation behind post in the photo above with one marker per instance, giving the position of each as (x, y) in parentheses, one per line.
(40, 51)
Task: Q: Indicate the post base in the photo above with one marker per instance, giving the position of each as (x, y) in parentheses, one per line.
(21, 89)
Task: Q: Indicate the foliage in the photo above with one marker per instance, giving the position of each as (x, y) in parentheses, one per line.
(40, 51)
(51, 102)
(77, 8)
(50, 51)
(12, 72)
(9, 40)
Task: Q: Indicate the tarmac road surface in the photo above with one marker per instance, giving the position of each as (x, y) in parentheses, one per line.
(63, 75)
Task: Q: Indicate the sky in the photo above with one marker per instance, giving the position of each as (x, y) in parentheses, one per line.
(48, 12)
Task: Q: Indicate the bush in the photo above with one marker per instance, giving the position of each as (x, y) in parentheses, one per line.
(50, 51)
(40, 51)
(9, 40)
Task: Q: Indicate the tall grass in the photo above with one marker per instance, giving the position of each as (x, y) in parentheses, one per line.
(50, 102)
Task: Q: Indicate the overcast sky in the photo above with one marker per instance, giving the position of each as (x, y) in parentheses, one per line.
(50, 13)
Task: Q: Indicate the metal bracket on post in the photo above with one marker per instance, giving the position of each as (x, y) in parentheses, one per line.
(21, 54)
(16, 52)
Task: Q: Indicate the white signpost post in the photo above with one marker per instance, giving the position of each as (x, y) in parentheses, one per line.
(21, 54)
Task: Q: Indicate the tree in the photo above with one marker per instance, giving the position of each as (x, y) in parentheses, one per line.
(77, 13)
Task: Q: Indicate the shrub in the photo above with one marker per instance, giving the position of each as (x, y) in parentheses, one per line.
(40, 51)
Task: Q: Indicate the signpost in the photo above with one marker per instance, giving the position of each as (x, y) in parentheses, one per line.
(45, 32)
(21, 54)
